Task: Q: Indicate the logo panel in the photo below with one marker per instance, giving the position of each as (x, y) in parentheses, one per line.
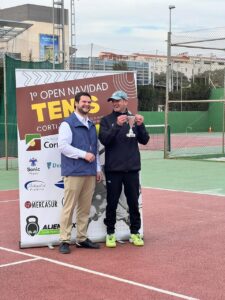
(33, 142)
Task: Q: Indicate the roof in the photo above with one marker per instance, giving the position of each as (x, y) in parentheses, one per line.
(10, 29)
(32, 12)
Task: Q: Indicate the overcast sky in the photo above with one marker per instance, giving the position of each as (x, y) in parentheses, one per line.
(127, 26)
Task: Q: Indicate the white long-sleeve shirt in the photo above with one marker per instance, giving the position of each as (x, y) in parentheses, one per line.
(65, 140)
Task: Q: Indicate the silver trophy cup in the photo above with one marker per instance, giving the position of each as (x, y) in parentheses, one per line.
(131, 120)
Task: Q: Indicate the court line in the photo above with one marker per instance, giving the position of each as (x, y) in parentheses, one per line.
(6, 201)
(19, 262)
(182, 191)
(9, 190)
(115, 278)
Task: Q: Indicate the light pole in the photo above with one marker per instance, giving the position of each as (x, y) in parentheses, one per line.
(170, 8)
(169, 48)
(168, 82)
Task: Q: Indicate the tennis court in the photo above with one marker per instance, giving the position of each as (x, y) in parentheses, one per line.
(183, 256)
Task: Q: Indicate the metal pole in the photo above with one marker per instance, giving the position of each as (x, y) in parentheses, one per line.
(223, 139)
(181, 90)
(5, 112)
(91, 63)
(63, 36)
(53, 22)
(168, 83)
(167, 94)
(73, 33)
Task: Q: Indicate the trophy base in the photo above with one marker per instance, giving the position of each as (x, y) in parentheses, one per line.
(130, 135)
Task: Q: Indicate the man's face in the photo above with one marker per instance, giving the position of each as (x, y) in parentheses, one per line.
(120, 105)
(84, 105)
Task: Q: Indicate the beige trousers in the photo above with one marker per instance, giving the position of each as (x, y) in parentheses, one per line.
(78, 191)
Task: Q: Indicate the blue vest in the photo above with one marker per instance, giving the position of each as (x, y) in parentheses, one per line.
(84, 139)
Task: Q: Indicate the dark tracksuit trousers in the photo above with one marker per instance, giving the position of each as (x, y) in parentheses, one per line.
(114, 183)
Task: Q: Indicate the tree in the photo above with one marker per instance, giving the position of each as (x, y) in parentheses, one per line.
(214, 78)
(150, 97)
(120, 66)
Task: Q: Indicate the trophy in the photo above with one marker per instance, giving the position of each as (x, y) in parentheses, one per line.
(131, 120)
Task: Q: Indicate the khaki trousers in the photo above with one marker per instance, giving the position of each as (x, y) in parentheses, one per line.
(78, 191)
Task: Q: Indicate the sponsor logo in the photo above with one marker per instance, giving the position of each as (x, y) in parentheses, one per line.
(32, 227)
(53, 165)
(60, 184)
(35, 185)
(50, 145)
(33, 142)
(41, 204)
(52, 229)
(33, 162)
(33, 169)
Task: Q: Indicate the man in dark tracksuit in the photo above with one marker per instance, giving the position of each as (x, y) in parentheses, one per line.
(122, 165)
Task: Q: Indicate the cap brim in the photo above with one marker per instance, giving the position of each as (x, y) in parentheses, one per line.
(117, 99)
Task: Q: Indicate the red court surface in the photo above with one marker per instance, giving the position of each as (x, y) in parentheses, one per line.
(183, 256)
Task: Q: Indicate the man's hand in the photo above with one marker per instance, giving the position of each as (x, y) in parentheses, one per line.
(121, 120)
(139, 119)
(99, 176)
(90, 157)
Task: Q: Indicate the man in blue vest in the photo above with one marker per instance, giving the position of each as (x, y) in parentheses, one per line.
(80, 168)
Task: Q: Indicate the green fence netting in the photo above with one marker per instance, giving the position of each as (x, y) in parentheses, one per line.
(11, 64)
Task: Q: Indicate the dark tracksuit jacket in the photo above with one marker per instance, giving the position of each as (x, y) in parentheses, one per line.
(122, 164)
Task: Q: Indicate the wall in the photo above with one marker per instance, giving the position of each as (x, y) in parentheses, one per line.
(216, 110)
(192, 121)
(187, 121)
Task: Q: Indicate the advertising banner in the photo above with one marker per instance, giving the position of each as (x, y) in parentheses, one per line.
(49, 44)
(44, 98)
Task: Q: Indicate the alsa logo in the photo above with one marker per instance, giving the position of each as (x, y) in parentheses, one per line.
(60, 184)
(33, 142)
(35, 185)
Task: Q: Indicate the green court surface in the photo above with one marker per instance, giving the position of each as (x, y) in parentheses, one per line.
(9, 180)
(200, 176)
(206, 177)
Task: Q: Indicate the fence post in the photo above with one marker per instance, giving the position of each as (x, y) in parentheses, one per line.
(5, 113)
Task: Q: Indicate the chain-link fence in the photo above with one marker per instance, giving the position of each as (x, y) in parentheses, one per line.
(195, 82)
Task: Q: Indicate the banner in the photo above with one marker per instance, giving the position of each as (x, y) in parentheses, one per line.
(44, 98)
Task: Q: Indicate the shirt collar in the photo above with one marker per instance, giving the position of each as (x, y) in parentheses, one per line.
(82, 119)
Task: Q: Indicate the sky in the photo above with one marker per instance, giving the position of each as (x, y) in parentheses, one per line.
(131, 26)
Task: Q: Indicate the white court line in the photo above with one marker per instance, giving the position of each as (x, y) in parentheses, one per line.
(148, 287)
(181, 191)
(19, 262)
(9, 190)
(7, 201)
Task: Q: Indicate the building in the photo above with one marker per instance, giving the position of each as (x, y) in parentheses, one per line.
(97, 63)
(189, 66)
(36, 42)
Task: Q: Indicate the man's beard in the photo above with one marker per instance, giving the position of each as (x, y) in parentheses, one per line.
(82, 112)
